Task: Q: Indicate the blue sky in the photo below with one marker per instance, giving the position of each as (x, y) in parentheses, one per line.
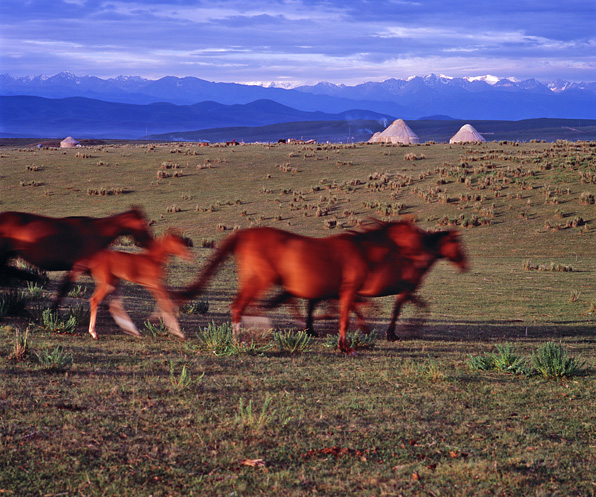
(300, 41)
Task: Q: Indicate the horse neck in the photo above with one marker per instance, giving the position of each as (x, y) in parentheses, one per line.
(109, 227)
(158, 252)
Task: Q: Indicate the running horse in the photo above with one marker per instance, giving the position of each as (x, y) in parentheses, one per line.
(310, 268)
(56, 244)
(398, 272)
(144, 268)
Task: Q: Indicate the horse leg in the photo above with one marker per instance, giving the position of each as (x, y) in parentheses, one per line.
(310, 309)
(399, 301)
(98, 295)
(122, 318)
(168, 311)
(247, 294)
(64, 287)
(361, 322)
(346, 303)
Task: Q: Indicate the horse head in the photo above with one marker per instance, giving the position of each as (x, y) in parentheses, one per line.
(134, 223)
(451, 248)
(174, 243)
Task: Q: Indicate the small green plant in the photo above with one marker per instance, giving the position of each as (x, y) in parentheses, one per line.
(292, 341)
(55, 360)
(482, 362)
(156, 329)
(13, 303)
(21, 347)
(256, 421)
(53, 322)
(77, 292)
(199, 307)
(80, 312)
(183, 380)
(551, 361)
(574, 297)
(504, 359)
(507, 359)
(215, 338)
(356, 340)
(35, 290)
(220, 340)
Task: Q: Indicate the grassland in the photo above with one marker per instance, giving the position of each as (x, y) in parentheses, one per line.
(409, 418)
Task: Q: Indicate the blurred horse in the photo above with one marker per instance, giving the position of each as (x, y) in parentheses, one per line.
(311, 268)
(145, 268)
(399, 273)
(56, 244)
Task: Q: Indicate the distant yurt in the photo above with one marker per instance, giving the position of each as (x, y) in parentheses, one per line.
(69, 142)
(467, 134)
(397, 132)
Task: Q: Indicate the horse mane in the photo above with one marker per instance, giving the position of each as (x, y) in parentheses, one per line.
(376, 229)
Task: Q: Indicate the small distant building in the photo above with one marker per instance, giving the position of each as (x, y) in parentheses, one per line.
(467, 134)
(69, 142)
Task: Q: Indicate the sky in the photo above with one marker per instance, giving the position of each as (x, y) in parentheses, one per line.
(293, 42)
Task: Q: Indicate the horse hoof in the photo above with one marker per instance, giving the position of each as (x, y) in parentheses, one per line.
(179, 334)
(393, 338)
(132, 333)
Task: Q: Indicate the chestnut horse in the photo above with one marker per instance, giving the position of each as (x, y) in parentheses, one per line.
(144, 268)
(311, 268)
(56, 244)
(400, 273)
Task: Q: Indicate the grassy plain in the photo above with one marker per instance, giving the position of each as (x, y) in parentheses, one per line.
(407, 418)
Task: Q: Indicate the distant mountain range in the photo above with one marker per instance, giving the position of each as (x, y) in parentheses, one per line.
(89, 118)
(131, 107)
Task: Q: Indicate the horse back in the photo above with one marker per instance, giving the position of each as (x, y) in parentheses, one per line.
(307, 267)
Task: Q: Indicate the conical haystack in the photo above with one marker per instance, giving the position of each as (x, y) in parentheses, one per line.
(467, 134)
(397, 132)
(69, 142)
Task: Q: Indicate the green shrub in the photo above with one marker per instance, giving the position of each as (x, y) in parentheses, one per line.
(13, 303)
(253, 420)
(355, 339)
(53, 322)
(482, 362)
(21, 346)
(81, 312)
(220, 340)
(507, 360)
(504, 359)
(183, 380)
(551, 361)
(55, 360)
(77, 292)
(156, 329)
(292, 341)
(34, 289)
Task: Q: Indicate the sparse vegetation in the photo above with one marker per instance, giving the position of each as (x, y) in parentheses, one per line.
(159, 416)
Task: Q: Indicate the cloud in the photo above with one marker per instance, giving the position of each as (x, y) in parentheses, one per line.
(299, 40)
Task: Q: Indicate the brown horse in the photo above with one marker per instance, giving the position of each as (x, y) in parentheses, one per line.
(402, 276)
(399, 273)
(56, 244)
(145, 268)
(310, 268)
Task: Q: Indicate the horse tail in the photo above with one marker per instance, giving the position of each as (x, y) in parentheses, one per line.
(223, 252)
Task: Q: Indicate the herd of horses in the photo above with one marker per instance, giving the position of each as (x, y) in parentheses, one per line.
(385, 258)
